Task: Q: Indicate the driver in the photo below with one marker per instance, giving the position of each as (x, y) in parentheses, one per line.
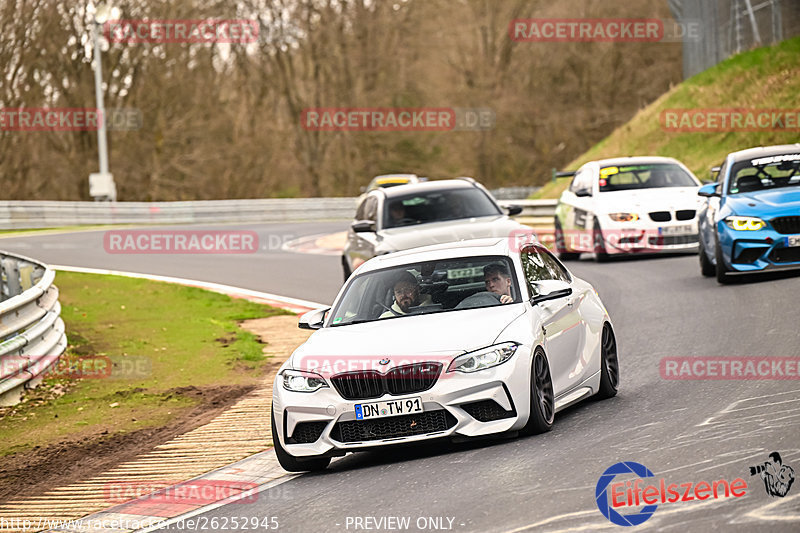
(498, 281)
(406, 295)
(397, 212)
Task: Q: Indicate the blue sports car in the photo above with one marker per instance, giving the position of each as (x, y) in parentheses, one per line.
(750, 219)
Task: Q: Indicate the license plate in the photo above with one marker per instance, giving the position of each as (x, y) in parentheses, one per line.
(368, 411)
(793, 240)
(676, 230)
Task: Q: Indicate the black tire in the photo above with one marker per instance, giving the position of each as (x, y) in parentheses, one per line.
(707, 268)
(543, 404)
(600, 253)
(720, 270)
(291, 463)
(560, 245)
(346, 269)
(609, 365)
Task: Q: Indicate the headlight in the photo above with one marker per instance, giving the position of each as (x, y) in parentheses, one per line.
(297, 381)
(624, 217)
(745, 223)
(483, 358)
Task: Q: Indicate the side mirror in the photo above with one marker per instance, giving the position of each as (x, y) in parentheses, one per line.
(708, 190)
(514, 210)
(551, 290)
(363, 189)
(363, 226)
(583, 192)
(313, 319)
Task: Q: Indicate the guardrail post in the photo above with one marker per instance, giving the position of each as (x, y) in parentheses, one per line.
(10, 269)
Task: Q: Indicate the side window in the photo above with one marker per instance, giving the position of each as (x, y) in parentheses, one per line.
(582, 180)
(575, 185)
(558, 270)
(722, 170)
(371, 209)
(361, 209)
(539, 265)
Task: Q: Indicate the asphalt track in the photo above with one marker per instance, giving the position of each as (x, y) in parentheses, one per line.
(683, 431)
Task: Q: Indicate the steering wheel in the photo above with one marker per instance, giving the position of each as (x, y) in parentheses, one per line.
(479, 299)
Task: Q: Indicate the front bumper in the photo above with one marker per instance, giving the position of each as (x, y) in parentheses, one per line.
(756, 251)
(450, 408)
(649, 237)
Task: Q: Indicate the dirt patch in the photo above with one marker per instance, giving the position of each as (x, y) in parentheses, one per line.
(27, 473)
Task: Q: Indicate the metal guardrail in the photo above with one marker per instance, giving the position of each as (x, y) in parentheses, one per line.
(32, 335)
(537, 213)
(51, 214)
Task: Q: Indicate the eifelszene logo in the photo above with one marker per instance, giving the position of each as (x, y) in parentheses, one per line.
(613, 497)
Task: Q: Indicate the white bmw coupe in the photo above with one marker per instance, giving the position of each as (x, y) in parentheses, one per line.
(461, 340)
(628, 205)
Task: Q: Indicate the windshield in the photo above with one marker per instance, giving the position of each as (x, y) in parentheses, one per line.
(651, 176)
(429, 287)
(765, 173)
(436, 206)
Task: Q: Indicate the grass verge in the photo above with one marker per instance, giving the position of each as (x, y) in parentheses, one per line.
(144, 349)
(764, 78)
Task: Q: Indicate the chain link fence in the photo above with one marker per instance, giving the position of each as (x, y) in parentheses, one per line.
(728, 27)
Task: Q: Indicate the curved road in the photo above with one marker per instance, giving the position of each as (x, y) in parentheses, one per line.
(684, 431)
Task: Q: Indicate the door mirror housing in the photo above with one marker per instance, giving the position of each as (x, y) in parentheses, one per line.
(708, 191)
(514, 210)
(313, 319)
(550, 290)
(583, 192)
(363, 226)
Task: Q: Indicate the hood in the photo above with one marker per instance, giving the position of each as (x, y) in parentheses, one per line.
(766, 204)
(405, 339)
(450, 231)
(646, 200)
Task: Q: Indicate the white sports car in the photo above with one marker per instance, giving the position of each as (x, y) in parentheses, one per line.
(628, 205)
(456, 340)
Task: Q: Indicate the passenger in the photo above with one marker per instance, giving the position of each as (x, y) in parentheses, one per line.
(406, 295)
(498, 281)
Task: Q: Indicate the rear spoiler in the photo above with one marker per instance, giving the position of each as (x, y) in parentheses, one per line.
(562, 174)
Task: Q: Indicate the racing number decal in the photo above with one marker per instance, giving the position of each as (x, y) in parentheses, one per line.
(580, 218)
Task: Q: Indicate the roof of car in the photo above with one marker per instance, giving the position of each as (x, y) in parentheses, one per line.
(427, 186)
(764, 151)
(634, 160)
(466, 248)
